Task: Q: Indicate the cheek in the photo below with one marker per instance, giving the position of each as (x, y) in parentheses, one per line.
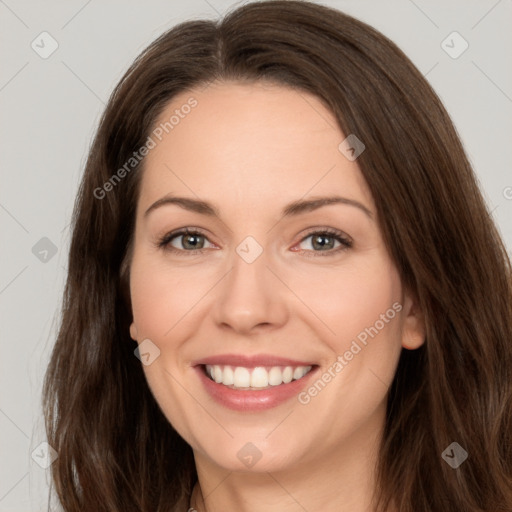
(162, 300)
(162, 296)
(350, 299)
(362, 308)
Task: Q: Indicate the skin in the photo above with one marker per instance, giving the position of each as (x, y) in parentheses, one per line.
(251, 149)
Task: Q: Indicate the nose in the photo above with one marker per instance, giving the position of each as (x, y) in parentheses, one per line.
(250, 298)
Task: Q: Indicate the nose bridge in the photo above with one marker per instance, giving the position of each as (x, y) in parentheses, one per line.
(249, 296)
(249, 266)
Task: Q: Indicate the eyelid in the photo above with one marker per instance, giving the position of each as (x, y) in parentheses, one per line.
(326, 230)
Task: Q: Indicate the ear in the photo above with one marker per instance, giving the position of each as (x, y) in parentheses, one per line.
(133, 331)
(413, 327)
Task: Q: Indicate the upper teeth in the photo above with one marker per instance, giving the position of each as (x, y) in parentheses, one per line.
(258, 377)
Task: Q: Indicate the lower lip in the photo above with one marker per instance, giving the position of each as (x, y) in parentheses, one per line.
(258, 400)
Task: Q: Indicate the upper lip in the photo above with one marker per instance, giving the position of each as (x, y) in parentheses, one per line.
(249, 361)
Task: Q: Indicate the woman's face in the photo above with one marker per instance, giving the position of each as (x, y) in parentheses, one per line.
(272, 283)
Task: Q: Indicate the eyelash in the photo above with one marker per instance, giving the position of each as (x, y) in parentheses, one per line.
(346, 243)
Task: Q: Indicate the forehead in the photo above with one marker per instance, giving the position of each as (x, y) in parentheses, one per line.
(251, 145)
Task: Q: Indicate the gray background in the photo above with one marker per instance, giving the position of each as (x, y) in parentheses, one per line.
(50, 109)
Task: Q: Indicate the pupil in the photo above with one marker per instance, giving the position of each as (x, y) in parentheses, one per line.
(194, 244)
(320, 240)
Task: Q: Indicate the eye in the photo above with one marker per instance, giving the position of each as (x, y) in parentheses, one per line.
(323, 242)
(327, 241)
(184, 240)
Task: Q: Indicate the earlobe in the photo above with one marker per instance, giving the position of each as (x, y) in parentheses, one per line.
(412, 343)
(413, 329)
(133, 331)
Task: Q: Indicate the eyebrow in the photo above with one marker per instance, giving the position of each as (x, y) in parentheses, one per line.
(292, 209)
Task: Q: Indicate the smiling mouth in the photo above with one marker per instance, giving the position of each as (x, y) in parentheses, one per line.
(258, 378)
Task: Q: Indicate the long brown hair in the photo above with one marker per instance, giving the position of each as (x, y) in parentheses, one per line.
(117, 452)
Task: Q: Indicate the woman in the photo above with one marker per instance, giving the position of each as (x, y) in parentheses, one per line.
(285, 290)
